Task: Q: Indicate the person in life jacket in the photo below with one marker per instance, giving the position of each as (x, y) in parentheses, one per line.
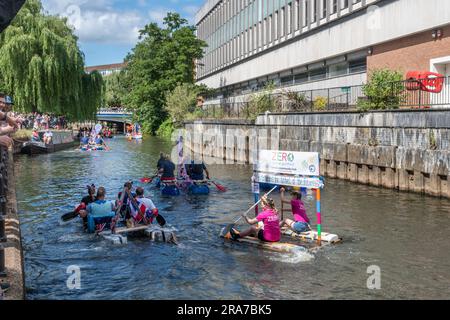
(142, 209)
(167, 169)
(196, 169)
(99, 213)
(99, 140)
(84, 139)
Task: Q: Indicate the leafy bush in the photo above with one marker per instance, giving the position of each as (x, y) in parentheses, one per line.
(320, 103)
(383, 91)
(296, 101)
(181, 103)
(166, 129)
(262, 102)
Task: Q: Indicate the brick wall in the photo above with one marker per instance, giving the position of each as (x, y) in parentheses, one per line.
(410, 53)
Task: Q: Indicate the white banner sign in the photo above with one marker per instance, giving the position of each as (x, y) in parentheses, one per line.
(288, 162)
(303, 182)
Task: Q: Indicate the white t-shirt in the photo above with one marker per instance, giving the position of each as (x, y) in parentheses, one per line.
(147, 203)
(48, 134)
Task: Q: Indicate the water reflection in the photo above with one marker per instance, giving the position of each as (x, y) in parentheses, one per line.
(405, 234)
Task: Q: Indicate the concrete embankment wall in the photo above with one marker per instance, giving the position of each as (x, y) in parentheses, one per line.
(404, 150)
(14, 262)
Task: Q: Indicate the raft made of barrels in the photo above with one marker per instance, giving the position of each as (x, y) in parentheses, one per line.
(199, 189)
(92, 148)
(170, 190)
(155, 233)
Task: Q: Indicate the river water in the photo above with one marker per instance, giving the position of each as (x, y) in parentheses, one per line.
(405, 235)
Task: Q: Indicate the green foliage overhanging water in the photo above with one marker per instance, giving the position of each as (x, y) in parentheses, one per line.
(42, 67)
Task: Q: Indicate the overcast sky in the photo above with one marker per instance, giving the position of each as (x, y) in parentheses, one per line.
(108, 29)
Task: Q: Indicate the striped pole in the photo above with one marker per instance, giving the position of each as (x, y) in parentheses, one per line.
(319, 218)
(256, 201)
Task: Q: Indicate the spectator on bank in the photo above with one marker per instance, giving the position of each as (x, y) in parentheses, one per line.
(48, 136)
(8, 125)
(35, 136)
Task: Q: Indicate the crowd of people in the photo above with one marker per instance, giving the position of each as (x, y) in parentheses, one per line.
(40, 121)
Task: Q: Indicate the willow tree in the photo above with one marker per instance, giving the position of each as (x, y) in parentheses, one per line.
(42, 67)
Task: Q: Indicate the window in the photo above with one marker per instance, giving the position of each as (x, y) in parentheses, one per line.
(301, 77)
(358, 65)
(305, 13)
(288, 80)
(318, 74)
(334, 7)
(339, 69)
(324, 8)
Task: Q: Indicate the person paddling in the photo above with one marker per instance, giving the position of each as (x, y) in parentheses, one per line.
(271, 231)
(167, 170)
(99, 213)
(196, 171)
(87, 200)
(124, 210)
(301, 221)
(160, 160)
(142, 209)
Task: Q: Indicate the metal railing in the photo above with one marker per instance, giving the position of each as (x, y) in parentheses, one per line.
(3, 192)
(406, 94)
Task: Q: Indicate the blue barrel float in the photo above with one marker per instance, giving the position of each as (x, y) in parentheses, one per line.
(170, 190)
(199, 189)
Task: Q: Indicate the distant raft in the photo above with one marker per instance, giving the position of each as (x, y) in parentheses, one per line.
(88, 148)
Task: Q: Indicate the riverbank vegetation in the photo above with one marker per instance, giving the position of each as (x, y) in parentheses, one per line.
(383, 91)
(163, 60)
(42, 67)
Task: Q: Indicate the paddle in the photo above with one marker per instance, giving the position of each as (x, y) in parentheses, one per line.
(219, 187)
(227, 229)
(147, 179)
(73, 214)
(106, 146)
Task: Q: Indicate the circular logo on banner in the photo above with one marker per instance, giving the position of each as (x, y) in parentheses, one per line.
(312, 168)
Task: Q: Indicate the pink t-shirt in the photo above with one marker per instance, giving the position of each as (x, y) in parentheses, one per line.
(299, 211)
(271, 222)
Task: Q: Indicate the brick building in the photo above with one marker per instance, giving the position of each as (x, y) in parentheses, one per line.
(315, 44)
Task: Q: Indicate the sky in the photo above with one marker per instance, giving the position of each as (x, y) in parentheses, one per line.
(109, 29)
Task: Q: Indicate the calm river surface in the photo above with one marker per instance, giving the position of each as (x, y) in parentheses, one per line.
(406, 235)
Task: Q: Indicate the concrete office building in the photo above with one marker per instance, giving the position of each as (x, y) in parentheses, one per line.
(317, 44)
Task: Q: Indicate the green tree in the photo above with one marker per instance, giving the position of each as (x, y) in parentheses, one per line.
(384, 90)
(115, 89)
(163, 59)
(42, 67)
